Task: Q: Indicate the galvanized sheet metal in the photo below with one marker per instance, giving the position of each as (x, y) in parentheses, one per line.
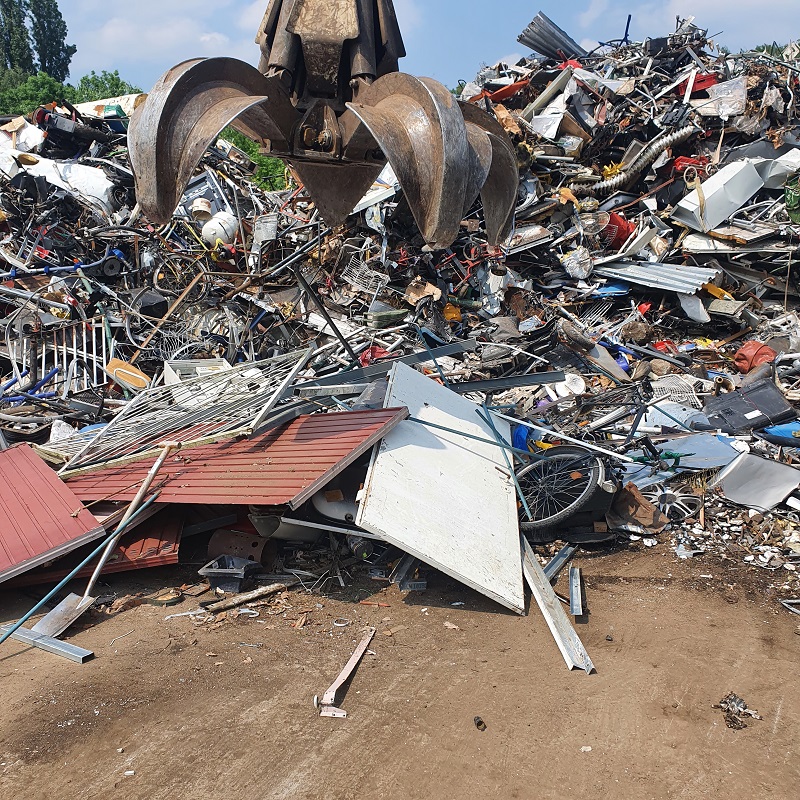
(40, 517)
(286, 465)
(670, 277)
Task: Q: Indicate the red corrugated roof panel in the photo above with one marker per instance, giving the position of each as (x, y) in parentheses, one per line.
(286, 465)
(155, 544)
(40, 517)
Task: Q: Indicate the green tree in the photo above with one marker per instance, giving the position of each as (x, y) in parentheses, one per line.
(269, 171)
(15, 39)
(48, 32)
(36, 91)
(100, 87)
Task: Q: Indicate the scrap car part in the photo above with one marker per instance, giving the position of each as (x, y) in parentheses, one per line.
(677, 502)
(328, 98)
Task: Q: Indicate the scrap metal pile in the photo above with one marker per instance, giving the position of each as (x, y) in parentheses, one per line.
(625, 365)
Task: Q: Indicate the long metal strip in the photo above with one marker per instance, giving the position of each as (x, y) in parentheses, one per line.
(559, 561)
(575, 592)
(51, 645)
(327, 707)
(568, 641)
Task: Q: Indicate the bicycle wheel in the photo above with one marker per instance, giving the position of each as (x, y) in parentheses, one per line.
(173, 274)
(559, 486)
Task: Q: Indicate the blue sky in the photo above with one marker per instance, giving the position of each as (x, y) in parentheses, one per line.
(445, 39)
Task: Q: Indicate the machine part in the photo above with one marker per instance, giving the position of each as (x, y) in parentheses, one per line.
(332, 103)
(568, 641)
(559, 486)
(575, 592)
(360, 546)
(326, 706)
(677, 502)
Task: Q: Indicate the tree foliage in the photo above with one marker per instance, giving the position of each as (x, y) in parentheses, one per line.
(269, 172)
(15, 38)
(35, 91)
(48, 33)
(99, 87)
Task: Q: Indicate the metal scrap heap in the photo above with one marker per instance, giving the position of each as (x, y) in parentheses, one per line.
(625, 367)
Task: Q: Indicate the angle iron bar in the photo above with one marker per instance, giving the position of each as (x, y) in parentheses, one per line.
(575, 592)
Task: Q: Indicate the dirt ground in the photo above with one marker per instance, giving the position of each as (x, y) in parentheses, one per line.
(194, 712)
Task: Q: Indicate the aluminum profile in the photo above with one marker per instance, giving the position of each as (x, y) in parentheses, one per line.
(669, 277)
(545, 37)
(284, 466)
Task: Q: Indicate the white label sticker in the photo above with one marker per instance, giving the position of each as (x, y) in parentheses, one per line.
(754, 414)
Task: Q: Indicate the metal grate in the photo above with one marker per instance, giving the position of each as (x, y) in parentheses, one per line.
(680, 390)
(211, 405)
(358, 274)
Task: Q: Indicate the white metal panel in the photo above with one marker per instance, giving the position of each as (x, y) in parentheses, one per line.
(442, 497)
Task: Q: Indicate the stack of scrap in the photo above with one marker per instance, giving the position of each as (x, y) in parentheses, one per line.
(625, 367)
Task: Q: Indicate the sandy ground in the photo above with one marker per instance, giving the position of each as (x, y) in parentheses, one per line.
(194, 712)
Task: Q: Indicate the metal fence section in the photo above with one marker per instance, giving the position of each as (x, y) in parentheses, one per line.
(236, 399)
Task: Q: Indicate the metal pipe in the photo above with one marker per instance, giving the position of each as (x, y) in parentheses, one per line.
(580, 442)
(130, 511)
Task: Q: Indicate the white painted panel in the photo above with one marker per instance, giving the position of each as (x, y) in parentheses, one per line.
(444, 498)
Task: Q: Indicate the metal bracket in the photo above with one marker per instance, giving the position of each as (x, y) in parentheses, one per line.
(326, 706)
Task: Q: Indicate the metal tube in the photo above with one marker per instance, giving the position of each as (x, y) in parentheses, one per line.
(587, 445)
(131, 510)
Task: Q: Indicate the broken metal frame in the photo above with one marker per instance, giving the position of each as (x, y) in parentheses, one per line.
(326, 706)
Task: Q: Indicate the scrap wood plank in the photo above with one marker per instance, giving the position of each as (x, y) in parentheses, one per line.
(568, 641)
(442, 497)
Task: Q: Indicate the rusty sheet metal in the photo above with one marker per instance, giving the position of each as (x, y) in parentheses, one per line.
(40, 517)
(156, 545)
(286, 465)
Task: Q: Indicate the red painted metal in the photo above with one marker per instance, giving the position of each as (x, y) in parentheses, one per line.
(155, 545)
(282, 466)
(40, 517)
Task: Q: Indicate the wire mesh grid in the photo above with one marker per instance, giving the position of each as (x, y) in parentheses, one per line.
(210, 405)
(358, 274)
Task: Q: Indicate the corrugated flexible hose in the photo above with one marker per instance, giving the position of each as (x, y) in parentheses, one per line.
(644, 160)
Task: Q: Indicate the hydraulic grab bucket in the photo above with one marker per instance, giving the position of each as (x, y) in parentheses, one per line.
(328, 98)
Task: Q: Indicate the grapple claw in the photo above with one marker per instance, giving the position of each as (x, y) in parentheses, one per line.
(188, 107)
(443, 153)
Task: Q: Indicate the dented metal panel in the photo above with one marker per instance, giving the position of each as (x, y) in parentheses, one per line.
(447, 499)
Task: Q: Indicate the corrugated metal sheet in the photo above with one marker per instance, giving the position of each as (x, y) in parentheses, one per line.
(670, 277)
(286, 465)
(40, 517)
(155, 546)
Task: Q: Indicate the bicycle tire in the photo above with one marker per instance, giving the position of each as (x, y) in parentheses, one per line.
(173, 274)
(559, 486)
